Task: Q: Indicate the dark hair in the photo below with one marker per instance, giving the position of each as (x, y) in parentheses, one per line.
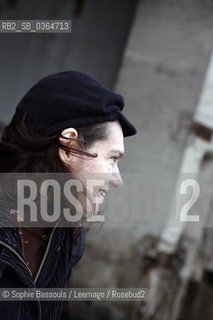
(24, 152)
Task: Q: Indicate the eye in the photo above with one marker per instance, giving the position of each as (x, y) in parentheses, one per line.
(115, 159)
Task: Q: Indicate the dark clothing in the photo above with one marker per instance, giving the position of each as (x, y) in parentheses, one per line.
(54, 272)
(35, 245)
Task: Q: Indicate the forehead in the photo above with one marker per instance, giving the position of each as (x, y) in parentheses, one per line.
(115, 138)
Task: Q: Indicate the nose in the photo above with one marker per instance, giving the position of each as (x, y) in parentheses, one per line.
(116, 180)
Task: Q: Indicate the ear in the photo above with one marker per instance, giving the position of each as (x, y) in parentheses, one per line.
(66, 156)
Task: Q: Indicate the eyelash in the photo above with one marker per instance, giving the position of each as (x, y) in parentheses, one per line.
(114, 158)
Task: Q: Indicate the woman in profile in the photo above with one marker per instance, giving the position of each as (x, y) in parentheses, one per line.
(69, 124)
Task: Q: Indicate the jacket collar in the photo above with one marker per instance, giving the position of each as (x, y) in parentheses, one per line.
(8, 225)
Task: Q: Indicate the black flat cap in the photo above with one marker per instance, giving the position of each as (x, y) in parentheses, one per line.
(70, 99)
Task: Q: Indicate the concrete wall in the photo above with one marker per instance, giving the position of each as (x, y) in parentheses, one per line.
(95, 45)
(161, 78)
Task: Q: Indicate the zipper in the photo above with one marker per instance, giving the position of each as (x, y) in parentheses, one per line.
(45, 255)
(14, 251)
(22, 260)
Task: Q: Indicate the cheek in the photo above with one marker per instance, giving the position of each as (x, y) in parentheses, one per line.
(93, 170)
(76, 165)
(98, 167)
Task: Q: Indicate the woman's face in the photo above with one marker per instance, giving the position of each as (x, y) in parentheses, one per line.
(99, 174)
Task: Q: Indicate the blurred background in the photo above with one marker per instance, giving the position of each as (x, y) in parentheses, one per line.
(157, 54)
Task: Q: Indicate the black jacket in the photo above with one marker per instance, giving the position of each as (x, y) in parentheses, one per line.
(54, 272)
